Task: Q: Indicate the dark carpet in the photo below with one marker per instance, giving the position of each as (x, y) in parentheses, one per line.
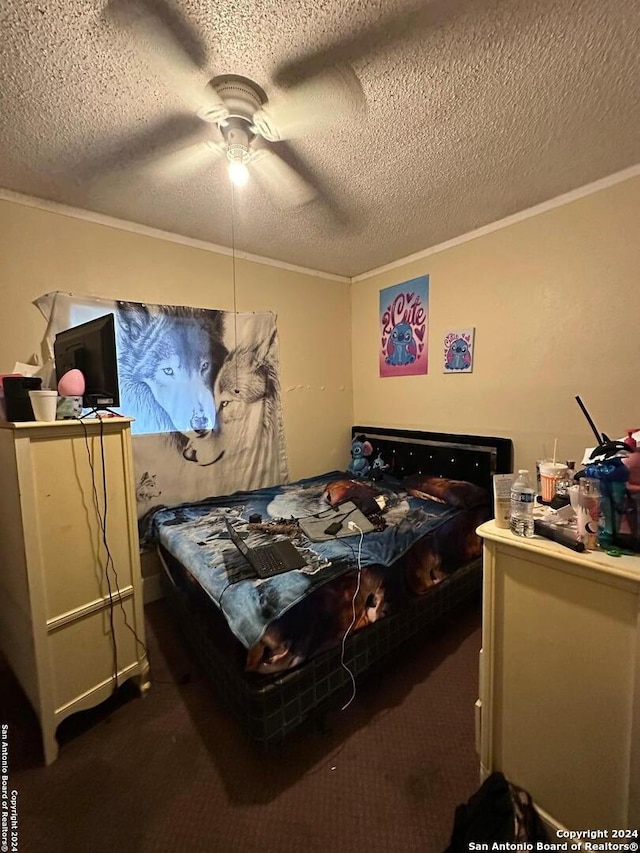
(173, 772)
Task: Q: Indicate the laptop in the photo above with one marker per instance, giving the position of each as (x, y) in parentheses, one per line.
(268, 560)
(322, 527)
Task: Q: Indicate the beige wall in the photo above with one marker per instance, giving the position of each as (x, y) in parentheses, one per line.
(42, 251)
(554, 301)
(552, 298)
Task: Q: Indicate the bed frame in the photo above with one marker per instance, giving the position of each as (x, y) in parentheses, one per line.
(269, 709)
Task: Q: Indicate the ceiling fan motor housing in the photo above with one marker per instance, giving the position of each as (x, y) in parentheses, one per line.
(241, 96)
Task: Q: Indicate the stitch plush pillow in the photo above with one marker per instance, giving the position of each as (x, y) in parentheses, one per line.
(456, 493)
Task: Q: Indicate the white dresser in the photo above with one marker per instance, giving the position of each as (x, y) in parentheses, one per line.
(59, 593)
(559, 706)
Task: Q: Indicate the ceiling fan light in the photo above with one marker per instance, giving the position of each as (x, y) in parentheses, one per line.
(238, 173)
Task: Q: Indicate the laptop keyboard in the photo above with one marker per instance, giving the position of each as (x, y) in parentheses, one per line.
(268, 562)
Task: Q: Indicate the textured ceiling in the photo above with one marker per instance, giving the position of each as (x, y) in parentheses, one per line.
(475, 110)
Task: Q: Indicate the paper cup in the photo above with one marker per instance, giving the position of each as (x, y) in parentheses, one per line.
(550, 472)
(44, 405)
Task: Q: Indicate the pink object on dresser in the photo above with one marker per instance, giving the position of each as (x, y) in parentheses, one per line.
(71, 384)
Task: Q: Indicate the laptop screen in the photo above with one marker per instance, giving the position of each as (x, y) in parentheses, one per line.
(236, 539)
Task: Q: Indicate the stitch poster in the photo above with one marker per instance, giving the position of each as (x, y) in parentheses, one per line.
(458, 351)
(404, 328)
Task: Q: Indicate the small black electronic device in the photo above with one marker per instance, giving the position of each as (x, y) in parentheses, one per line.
(268, 560)
(91, 349)
(557, 534)
(16, 396)
(334, 528)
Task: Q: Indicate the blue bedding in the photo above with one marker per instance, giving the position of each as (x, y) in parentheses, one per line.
(194, 534)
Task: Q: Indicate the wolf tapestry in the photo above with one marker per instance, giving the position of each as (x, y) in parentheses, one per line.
(204, 388)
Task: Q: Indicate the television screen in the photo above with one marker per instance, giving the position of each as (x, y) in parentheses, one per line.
(91, 348)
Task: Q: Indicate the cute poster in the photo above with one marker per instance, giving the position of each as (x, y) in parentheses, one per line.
(404, 328)
(458, 351)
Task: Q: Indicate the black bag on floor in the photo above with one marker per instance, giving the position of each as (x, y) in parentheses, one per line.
(498, 811)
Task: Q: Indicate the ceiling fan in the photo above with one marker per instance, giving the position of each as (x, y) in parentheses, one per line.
(246, 121)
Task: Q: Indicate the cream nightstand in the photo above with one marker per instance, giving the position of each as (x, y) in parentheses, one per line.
(55, 604)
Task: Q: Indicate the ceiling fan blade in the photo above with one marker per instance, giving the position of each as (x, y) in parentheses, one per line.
(160, 167)
(404, 25)
(155, 171)
(315, 104)
(286, 187)
(168, 134)
(170, 46)
(182, 162)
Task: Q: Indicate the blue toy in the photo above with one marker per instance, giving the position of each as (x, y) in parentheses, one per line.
(360, 449)
(378, 467)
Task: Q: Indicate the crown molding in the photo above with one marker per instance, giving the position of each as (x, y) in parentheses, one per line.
(158, 234)
(559, 201)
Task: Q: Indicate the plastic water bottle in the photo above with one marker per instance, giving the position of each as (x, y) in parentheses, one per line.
(522, 503)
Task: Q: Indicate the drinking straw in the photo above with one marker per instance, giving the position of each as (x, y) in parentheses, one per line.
(555, 448)
(591, 423)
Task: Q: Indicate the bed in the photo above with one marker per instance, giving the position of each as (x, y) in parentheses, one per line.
(283, 650)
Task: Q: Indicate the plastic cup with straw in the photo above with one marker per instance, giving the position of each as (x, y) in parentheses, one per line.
(550, 472)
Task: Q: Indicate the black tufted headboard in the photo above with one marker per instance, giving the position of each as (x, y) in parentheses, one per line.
(475, 458)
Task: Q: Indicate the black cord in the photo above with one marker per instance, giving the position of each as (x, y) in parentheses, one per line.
(331, 509)
(110, 561)
(345, 517)
(96, 503)
(96, 411)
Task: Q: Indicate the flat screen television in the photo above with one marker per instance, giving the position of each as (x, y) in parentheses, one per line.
(91, 348)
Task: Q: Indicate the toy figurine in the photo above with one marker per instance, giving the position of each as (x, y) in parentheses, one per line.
(378, 467)
(360, 449)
